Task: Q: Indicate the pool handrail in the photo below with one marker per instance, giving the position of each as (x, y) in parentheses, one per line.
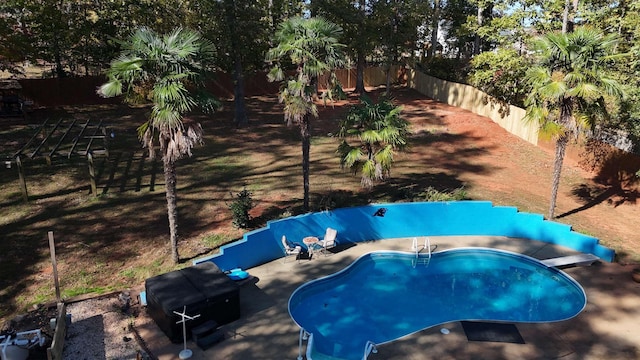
(414, 247)
(369, 347)
(303, 336)
(309, 346)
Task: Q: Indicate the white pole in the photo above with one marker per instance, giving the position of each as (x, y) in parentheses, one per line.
(185, 353)
(184, 331)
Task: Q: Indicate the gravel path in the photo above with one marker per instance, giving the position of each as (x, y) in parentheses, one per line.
(100, 330)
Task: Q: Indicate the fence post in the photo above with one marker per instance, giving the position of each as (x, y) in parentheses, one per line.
(21, 178)
(92, 174)
(52, 249)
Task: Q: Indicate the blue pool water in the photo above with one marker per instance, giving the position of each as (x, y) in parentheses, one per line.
(386, 295)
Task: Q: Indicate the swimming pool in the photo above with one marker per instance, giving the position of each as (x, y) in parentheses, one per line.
(385, 295)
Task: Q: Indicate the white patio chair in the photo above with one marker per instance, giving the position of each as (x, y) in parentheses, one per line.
(290, 249)
(328, 241)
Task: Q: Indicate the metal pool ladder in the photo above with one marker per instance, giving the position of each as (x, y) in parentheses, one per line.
(427, 245)
(369, 347)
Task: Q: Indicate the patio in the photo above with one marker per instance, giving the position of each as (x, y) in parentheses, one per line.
(607, 327)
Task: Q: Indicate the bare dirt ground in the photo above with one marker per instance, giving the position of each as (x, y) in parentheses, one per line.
(116, 240)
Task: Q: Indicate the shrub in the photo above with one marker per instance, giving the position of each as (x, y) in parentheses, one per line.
(240, 207)
(432, 194)
(449, 69)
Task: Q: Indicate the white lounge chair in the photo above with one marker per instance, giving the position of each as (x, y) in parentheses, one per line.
(290, 249)
(327, 242)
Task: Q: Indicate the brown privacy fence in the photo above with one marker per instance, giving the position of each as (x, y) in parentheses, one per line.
(82, 90)
(65, 91)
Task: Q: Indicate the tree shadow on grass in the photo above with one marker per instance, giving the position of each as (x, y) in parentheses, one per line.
(593, 194)
(412, 187)
(616, 180)
(406, 189)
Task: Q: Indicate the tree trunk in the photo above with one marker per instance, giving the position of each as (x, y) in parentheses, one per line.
(57, 51)
(240, 117)
(565, 16)
(360, 73)
(387, 90)
(58, 57)
(360, 53)
(435, 21)
(570, 7)
(306, 147)
(566, 118)
(561, 147)
(170, 180)
(477, 40)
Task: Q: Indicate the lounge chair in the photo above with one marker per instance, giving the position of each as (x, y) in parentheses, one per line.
(327, 242)
(290, 249)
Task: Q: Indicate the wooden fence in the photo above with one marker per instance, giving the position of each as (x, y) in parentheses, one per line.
(469, 98)
(82, 90)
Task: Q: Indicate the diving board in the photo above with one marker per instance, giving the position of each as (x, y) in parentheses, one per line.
(571, 260)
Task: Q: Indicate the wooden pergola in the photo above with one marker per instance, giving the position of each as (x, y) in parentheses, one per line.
(64, 138)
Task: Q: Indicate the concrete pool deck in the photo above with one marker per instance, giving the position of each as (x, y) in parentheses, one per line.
(608, 328)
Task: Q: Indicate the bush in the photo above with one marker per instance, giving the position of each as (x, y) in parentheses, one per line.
(240, 209)
(432, 194)
(449, 69)
(501, 74)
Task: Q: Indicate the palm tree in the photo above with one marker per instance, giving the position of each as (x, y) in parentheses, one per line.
(311, 45)
(380, 131)
(163, 70)
(570, 88)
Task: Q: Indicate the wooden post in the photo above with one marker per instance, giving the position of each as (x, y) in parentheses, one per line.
(52, 249)
(106, 141)
(23, 182)
(92, 174)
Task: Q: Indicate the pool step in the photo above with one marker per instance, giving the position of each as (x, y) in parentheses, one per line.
(207, 334)
(421, 261)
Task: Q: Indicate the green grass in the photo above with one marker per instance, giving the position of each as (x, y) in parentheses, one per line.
(136, 274)
(81, 290)
(215, 240)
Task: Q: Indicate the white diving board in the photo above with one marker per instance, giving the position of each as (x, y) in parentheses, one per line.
(571, 260)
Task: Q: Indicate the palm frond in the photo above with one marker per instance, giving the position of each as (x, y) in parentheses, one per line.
(111, 88)
(586, 91)
(384, 157)
(275, 74)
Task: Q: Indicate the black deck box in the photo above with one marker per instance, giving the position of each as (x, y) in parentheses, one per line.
(203, 289)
